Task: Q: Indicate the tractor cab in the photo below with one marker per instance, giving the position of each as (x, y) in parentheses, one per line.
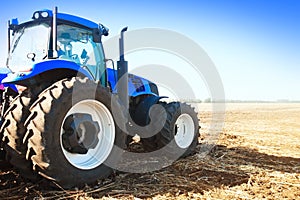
(54, 45)
(71, 38)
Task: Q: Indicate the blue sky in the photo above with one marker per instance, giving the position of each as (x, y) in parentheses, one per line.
(255, 44)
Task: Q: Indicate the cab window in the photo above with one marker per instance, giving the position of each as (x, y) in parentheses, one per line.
(76, 45)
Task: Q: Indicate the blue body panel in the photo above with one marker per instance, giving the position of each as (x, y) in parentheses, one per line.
(136, 85)
(42, 67)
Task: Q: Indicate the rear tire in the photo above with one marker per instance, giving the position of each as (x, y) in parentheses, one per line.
(180, 132)
(13, 131)
(74, 156)
(2, 154)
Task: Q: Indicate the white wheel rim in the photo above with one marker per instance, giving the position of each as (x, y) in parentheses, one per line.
(185, 132)
(106, 135)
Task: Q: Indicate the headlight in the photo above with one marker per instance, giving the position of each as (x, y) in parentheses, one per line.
(36, 15)
(41, 14)
(44, 14)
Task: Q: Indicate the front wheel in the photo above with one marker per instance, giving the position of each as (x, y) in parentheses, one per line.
(180, 131)
(73, 133)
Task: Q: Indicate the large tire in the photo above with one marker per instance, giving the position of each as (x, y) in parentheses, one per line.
(149, 143)
(2, 151)
(180, 132)
(13, 131)
(147, 125)
(2, 154)
(73, 156)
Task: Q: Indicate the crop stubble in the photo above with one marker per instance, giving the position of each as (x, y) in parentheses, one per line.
(257, 156)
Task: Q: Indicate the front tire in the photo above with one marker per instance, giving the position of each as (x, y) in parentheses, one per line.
(180, 132)
(73, 134)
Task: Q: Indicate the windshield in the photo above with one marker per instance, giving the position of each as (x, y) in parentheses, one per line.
(29, 46)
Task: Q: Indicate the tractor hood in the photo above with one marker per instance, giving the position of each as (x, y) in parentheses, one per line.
(136, 84)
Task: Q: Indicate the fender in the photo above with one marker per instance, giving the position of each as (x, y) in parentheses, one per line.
(3, 74)
(42, 67)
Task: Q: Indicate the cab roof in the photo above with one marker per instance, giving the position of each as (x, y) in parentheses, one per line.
(63, 16)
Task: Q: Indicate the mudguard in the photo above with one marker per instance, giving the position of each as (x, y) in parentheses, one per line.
(136, 85)
(3, 74)
(42, 67)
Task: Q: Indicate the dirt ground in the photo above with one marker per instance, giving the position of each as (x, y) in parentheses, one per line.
(257, 156)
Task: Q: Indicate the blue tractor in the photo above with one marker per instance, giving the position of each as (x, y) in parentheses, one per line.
(66, 116)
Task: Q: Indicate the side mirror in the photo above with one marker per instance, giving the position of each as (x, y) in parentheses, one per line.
(104, 30)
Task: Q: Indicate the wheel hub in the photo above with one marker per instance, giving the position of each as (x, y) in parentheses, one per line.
(80, 133)
(184, 131)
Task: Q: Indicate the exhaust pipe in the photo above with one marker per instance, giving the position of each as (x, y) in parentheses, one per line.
(122, 67)
(53, 51)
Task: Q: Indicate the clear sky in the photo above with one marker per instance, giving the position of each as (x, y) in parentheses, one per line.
(255, 44)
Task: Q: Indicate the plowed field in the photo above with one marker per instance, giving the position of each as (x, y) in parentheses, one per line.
(257, 156)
